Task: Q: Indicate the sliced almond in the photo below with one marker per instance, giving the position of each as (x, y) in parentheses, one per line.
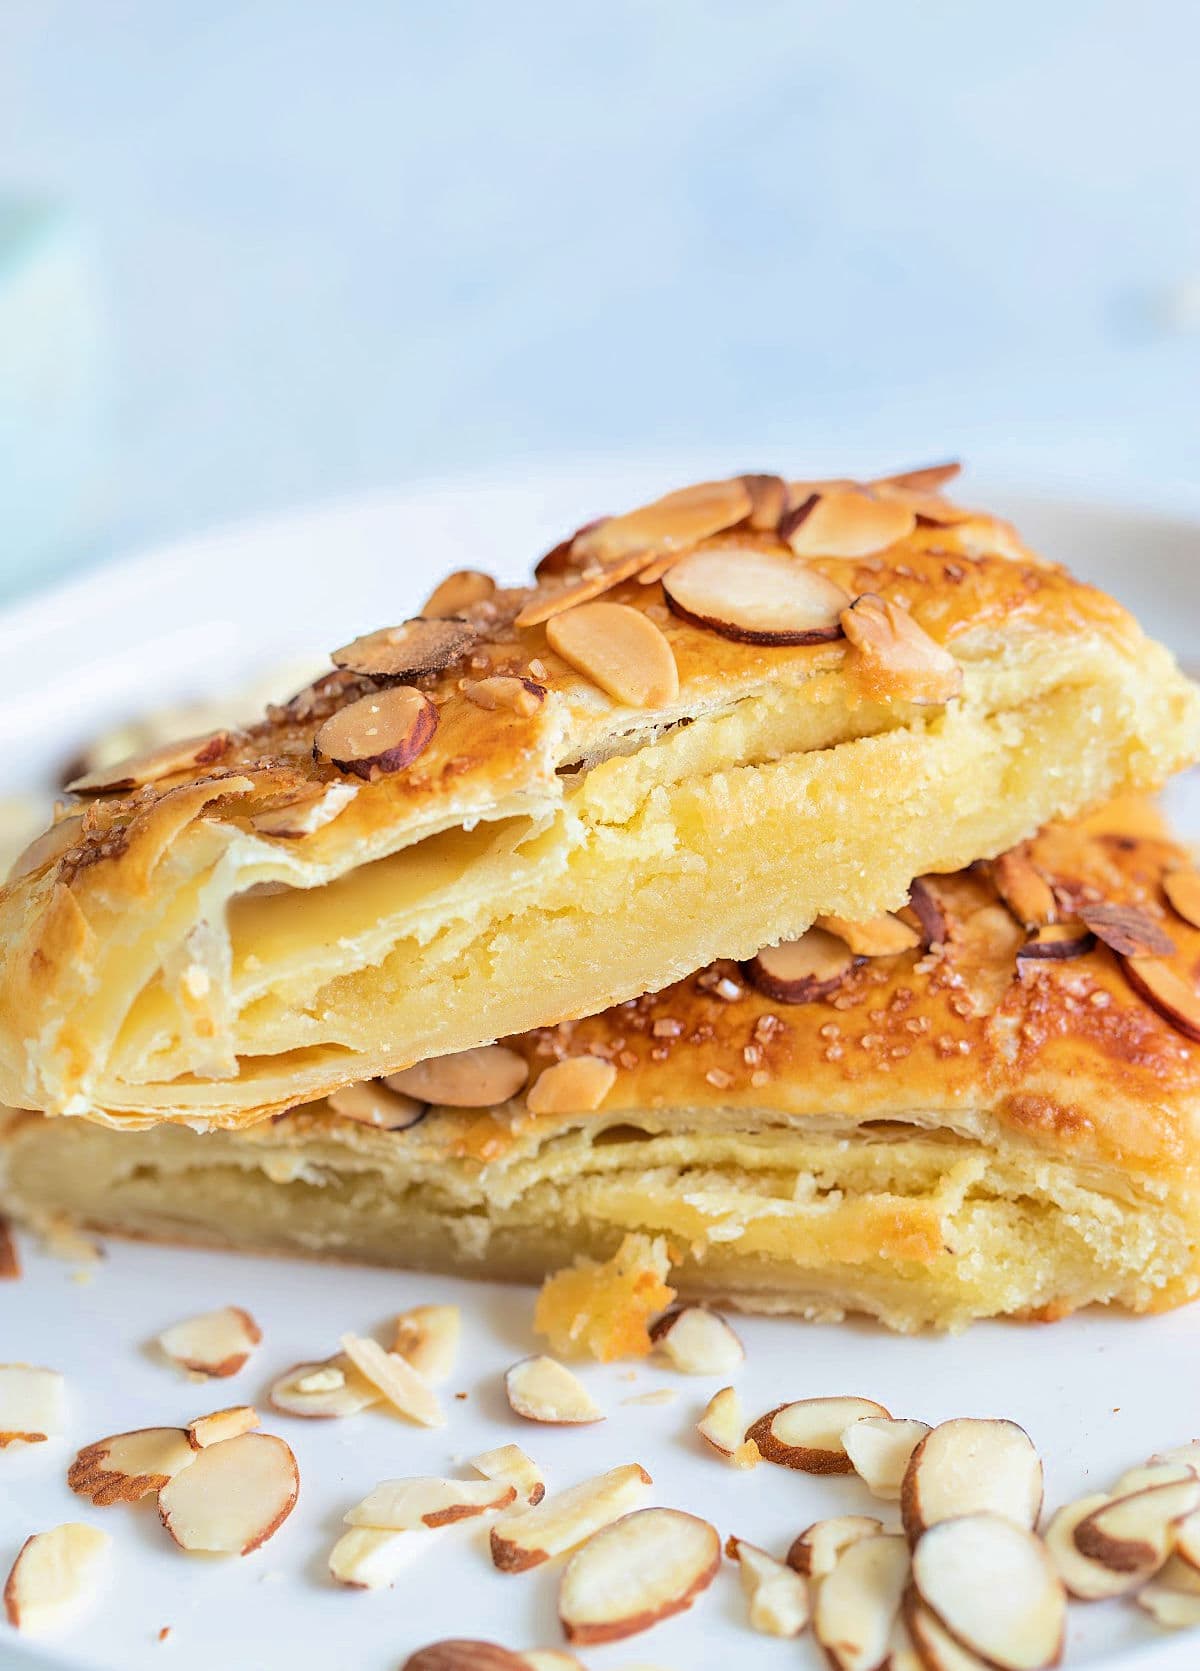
(527, 1538)
(306, 812)
(1136, 1533)
(645, 1567)
(506, 692)
(858, 1603)
(379, 733)
(53, 1576)
(47, 847)
(479, 1078)
(366, 1559)
(427, 1336)
(234, 1496)
(408, 1505)
(897, 656)
(372, 1103)
(542, 1390)
(698, 1341)
(673, 522)
(1187, 1542)
(927, 907)
(509, 1465)
(10, 1260)
(927, 478)
(1152, 1473)
(593, 582)
(1127, 930)
(618, 649)
(216, 1343)
(1055, 942)
(967, 1466)
(1188, 1455)
(188, 754)
(576, 1085)
(330, 1387)
(755, 597)
(802, 971)
(396, 1379)
(776, 1595)
(994, 1588)
(807, 1434)
(1182, 888)
(1169, 1606)
(882, 936)
(1024, 889)
(846, 522)
(460, 1654)
(220, 1425)
(768, 502)
(127, 1466)
(1167, 991)
(880, 1448)
(936, 1649)
(820, 1546)
(32, 1404)
(408, 651)
(553, 1659)
(458, 592)
(1084, 1578)
(723, 1426)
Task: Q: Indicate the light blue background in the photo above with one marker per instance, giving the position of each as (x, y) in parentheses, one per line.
(346, 244)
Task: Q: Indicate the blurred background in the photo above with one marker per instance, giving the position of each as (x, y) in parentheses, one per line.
(260, 252)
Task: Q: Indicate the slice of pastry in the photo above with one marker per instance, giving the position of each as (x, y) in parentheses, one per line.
(711, 721)
(987, 1104)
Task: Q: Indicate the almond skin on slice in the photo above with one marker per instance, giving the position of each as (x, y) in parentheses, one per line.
(858, 1603)
(409, 1505)
(880, 1448)
(618, 649)
(896, 657)
(234, 1496)
(1136, 1533)
(673, 522)
(371, 1103)
(427, 1337)
(1187, 1543)
(221, 1424)
(187, 755)
(1166, 991)
(527, 1538)
(722, 1427)
(969, 1466)
(819, 1548)
(216, 1343)
(331, 1387)
(1152, 1473)
(576, 1085)
(1056, 941)
(1182, 888)
(366, 1559)
(542, 1390)
(479, 1078)
(807, 1434)
(776, 1595)
(1127, 931)
(927, 907)
(10, 1261)
(846, 522)
(645, 1567)
(395, 1378)
(1024, 889)
(802, 971)
(127, 1466)
(1085, 1579)
(54, 1574)
(458, 592)
(755, 597)
(509, 1465)
(882, 936)
(698, 1341)
(936, 1649)
(379, 733)
(32, 1404)
(461, 1654)
(408, 651)
(994, 1588)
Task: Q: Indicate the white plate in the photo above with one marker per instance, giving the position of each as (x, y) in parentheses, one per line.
(1097, 1392)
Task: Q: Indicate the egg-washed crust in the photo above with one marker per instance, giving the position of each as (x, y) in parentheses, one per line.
(115, 984)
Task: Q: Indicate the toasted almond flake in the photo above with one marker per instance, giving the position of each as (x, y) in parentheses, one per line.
(372, 1103)
(48, 847)
(479, 1078)
(592, 583)
(366, 1559)
(820, 1547)
(1127, 930)
(527, 1538)
(846, 522)
(755, 597)
(459, 1654)
(509, 1465)
(1152, 1473)
(1024, 889)
(127, 1466)
(936, 1648)
(215, 1343)
(802, 971)
(408, 651)
(409, 1505)
(1135, 1533)
(882, 936)
(698, 1341)
(968, 1466)
(188, 754)
(618, 649)
(427, 1337)
(325, 1389)
(576, 1085)
(220, 1425)
(542, 1390)
(1166, 990)
(379, 733)
(768, 502)
(992, 1585)
(776, 1595)
(927, 478)
(10, 1260)
(1182, 888)
(723, 1426)
(32, 1404)
(645, 1567)
(858, 1603)
(1084, 1578)
(807, 1433)
(306, 812)
(896, 657)
(458, 592)
(504, 691)
(880, 1448)
(673, 522)
(1055, 942)
(397, 1380)
(234, 1496)
(53, 1576)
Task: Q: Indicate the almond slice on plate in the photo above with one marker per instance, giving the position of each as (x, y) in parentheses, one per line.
(755, 597)
(479, 1078)
(897, 657)
(723, 1427)
(411, 1504)
(1187, 1542)
(1085, 1579)
(576, 1085)
(427, 1338)
(880, 1449)
(698, 1341)
(882, 936)
(802, 971)
(1152, 1473)
(1167, 991)
(216, 1343)
(188, 754)
(408, 651)
(459, 1654)
(1056, 941)
(1128, 931)
(1024, 889)
(366, 1559)
(676, 520)
(221, 1424)
(593, 582)
(1182, 888)
(820, 1546)
(777, 1595)
(846, 523)
(1136, 1533)
(458, 592)
(32, 1404)
(379, 733)
(936, 1649)
(234, 1496)
(127, 1466)
(1172, 1597)
(553, 1659)
(618, 649)
(807, 1434)
(542, 1390)
(1188, 1454)
(331, 1387)
(306, 812)
(54, 1574)
(372, 1103)
(994, 1588)
(509, 1465)
(527, 1538)
(968, 1466)
(395, 1378)
(858, 1603)
(645, 1567)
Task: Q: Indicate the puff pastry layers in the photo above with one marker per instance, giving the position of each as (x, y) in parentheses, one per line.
(250, 925)
(951, 1132)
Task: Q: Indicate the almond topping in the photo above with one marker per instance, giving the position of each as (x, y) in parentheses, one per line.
(48, 847)
(380, 733)
(427, 1336)
(723, 1426)
(992, 1585)
(576, 1085)
(618, 649)
(32, 1404)
(306, 812)
(677, 520)
(896, 657)
(372, 1103)
(755, 597)
(509, 1465)
(645, 1567)
(127, 1466)
(503, 690)
(802, 971)
(478, 1078)
(408, 651)
(698, 1341)
(543, 1390)
(221, 1425)
(1182, 888)
(1024, 889)
(1135, 1533)
(10, 1259)
(397, 1380)
(1056, 941)
(807, 1434)
(967, 1466)
(592, 583)
(858, 1603)
(846, 523)
(928, 478)
(1127, 931)
(188, 754)
(329, 1388)
(410, 1504)
(777, 1595)
(1167, 991)
(366, 1559)
(215, 1343)
(234, 1496)
(462, 1655)
(531, 1536)
(820, 1547)
(768, 501)
(458, 592)
(927, 907)
(1084, 1578)
(883, 936)
(880, 1448)
(54, 1574)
